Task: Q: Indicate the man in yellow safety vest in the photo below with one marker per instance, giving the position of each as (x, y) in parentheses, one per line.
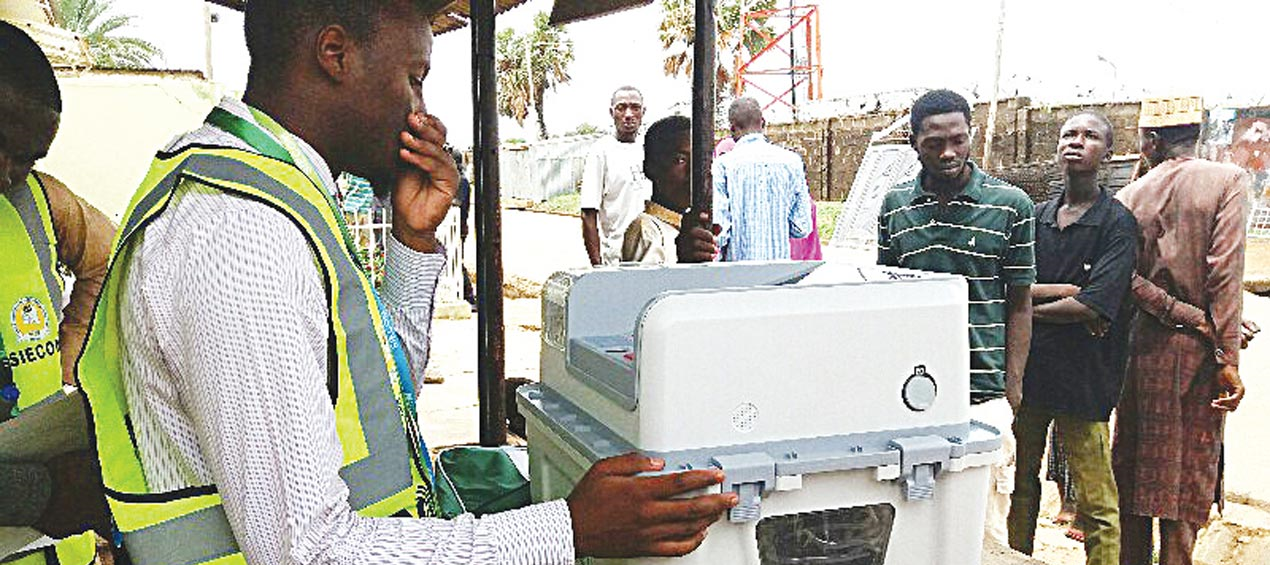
(42, 225)
(251, 392)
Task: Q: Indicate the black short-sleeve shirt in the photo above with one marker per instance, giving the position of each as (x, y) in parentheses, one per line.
(1070, 371)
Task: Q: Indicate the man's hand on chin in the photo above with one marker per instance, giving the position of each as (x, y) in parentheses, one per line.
(426, 186)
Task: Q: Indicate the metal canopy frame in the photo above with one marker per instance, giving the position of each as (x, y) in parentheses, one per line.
(570, 11)
(490, 372)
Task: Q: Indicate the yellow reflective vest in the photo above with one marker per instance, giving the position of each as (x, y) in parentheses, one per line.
(30, 348)
(382, 465)
(76, 550)
(30, 298)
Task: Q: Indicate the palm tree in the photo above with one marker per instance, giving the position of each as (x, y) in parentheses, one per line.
(513, 94)
(731, 44)
(89, 19)
(550, 52)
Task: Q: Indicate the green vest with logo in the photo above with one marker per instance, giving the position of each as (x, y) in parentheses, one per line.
(30, 350)
(382, 462)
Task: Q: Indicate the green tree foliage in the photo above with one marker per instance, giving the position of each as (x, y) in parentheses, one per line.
(585, 129)
(522, 85)
(732, 45)
(91, 20)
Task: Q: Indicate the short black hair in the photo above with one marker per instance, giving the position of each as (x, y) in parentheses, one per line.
(273, 27)
(1108, 130)
(1186, 134)
(626, 88)
(934, 103)
(662, 139)
(25, 71)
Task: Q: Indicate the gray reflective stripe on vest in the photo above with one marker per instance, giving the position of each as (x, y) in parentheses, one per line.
(385, 471)
(148, 203)
(195, 538)
(23, 201)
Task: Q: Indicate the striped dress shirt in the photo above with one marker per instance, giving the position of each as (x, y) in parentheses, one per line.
(985, 233)
(761, 200)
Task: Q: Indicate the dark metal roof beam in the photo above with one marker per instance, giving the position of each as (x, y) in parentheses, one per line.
(569, 11)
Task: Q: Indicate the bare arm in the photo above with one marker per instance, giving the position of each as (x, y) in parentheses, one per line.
(1019, 335)
(1042, 293)
(591, 235)
(1064, 311)
(84, 237)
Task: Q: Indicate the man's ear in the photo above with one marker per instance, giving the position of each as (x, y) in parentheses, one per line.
(1149, 143)
(334, 49)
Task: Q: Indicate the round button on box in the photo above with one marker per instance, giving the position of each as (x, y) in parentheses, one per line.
(919, 392)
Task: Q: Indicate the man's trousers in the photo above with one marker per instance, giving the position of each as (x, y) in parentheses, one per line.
(1090, 469)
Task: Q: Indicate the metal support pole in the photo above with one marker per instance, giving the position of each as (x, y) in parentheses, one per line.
(485, 153)
(794, 62)
(997, 76)
(703, 103)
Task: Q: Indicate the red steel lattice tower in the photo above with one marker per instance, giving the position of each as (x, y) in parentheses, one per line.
(804, 27)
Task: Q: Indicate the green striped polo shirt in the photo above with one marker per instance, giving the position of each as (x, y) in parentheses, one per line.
(985, 234)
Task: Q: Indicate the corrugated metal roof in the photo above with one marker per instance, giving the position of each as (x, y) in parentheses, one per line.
(566, 11)
(454, 15)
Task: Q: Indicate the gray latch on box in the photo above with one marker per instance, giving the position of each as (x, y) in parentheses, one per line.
(921, 458)
(749, 475)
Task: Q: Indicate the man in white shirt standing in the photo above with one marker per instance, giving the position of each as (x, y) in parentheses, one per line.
(614, 186)
(251, 392)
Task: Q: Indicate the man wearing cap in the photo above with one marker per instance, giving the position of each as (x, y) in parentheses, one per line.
(1180, 382)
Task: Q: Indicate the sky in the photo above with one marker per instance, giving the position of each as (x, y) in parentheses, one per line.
(1056, 53)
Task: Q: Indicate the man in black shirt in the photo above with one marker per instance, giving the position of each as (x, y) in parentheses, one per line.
(1085, 251)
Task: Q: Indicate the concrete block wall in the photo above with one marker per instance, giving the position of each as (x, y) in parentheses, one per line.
(1042, 135)
(832, 148)
(810, 141)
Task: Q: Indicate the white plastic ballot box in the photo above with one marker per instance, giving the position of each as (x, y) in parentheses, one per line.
(835, 399)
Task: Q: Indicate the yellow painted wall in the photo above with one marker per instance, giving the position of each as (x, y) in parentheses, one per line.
(113, 123)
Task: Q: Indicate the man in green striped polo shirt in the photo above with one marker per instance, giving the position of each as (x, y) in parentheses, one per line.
(954, 218)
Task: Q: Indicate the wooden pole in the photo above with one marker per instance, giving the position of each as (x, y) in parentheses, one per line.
(485, 152)
(703, 103)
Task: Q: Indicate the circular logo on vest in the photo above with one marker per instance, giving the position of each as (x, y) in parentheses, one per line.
(30, 319)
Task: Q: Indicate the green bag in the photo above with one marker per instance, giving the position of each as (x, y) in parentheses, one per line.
(482, 480)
